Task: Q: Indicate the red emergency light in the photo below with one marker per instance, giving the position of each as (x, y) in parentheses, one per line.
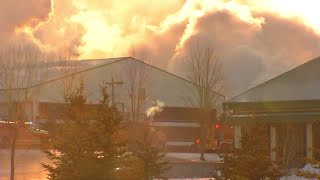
(217, 126)
(198, 141)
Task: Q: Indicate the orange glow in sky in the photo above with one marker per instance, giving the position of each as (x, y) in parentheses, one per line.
(112, 28)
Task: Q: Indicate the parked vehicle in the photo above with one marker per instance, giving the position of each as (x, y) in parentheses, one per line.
(224, 136)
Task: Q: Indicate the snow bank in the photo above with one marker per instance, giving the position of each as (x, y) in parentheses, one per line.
(307, 167)
(311, 168)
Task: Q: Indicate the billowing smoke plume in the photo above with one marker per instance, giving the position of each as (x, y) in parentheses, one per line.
(157, 108)
(256, 40)
(44, 24)
(253, 45)
(251, 53)
(15, 14)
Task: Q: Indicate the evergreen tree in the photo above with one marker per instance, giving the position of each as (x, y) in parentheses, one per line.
(89, 146)
(252, 160)
(150, 158)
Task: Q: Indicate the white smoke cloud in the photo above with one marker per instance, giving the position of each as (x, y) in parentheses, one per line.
(157, 108)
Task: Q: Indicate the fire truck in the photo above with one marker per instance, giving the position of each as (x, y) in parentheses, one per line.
(28, 135)
(181, 128)
(223, 137)
(222, 140)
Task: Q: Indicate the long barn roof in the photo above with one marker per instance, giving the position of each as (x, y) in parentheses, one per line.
(90, 64)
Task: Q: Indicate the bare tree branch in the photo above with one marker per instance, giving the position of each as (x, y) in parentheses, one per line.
(19, 65)
(203, 69)
(137, 75)
(65, 67)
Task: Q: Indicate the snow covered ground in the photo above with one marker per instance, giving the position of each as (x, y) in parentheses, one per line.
(307, 167)
(293, 177)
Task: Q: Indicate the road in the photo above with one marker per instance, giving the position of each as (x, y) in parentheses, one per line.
(190, 170)
(28, 166)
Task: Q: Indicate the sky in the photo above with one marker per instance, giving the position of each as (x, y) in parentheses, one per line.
(255, 39)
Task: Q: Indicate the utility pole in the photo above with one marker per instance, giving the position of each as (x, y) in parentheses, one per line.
(112, 83)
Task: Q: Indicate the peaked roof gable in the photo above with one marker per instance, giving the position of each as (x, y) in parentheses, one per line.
(300, 83)
(98, 63)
